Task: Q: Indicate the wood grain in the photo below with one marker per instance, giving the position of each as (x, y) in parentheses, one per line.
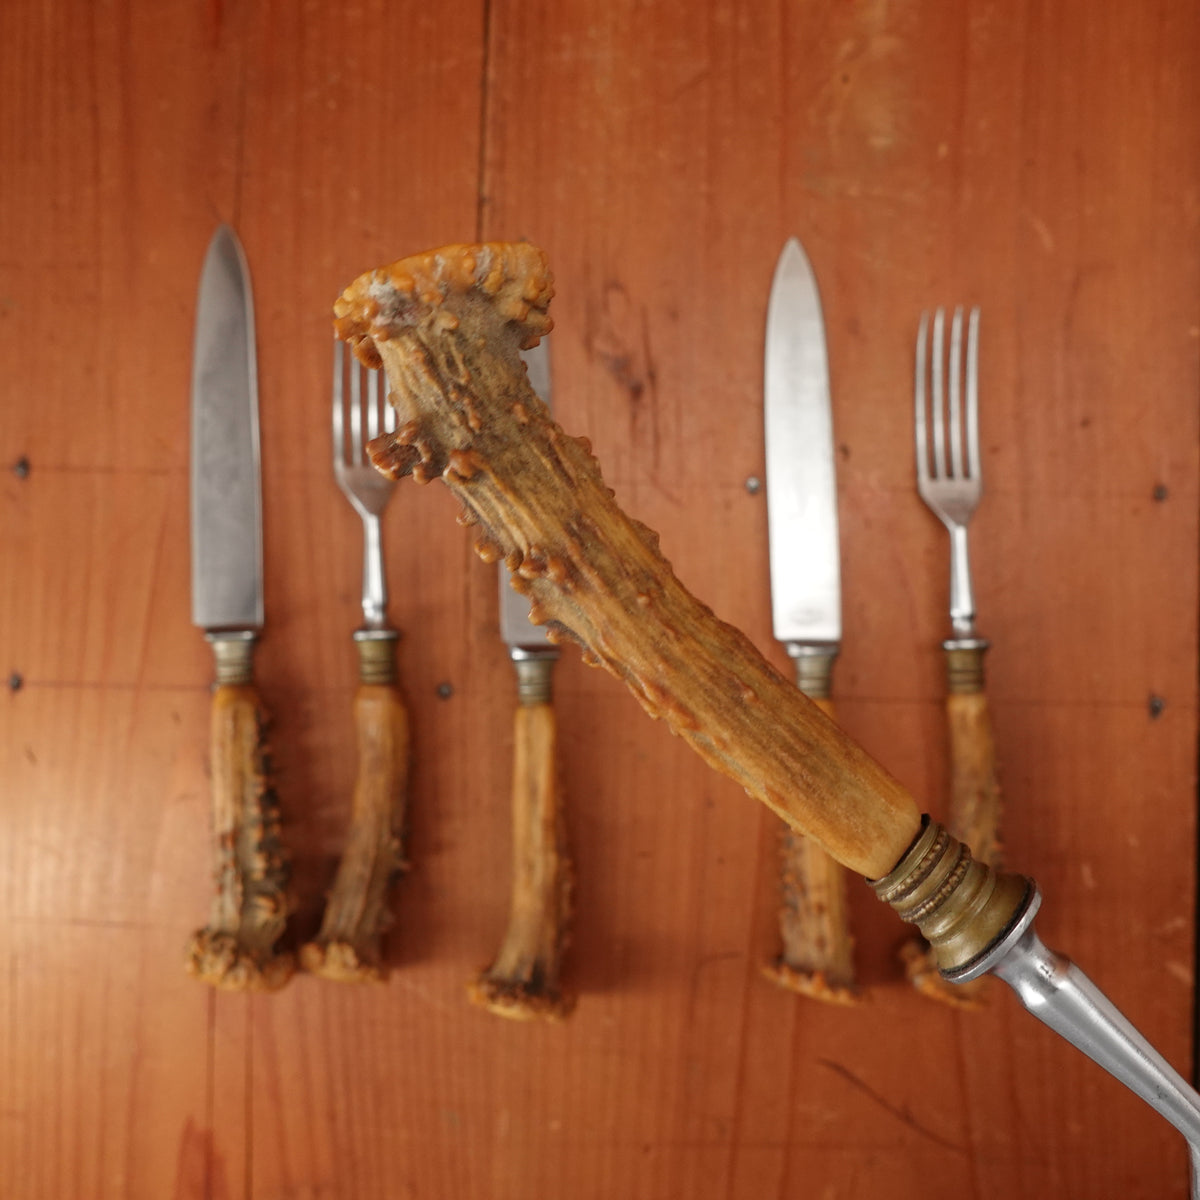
(1036, 159)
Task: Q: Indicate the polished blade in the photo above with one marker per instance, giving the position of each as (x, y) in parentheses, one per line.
(806, 600)
(226, 490)
(515, 627)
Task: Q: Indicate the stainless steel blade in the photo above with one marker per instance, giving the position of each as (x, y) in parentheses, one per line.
(227, 588)
(806, 594)
(515, 627)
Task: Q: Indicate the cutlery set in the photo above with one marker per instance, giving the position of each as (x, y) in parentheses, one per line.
(238, 949)
(473, 305)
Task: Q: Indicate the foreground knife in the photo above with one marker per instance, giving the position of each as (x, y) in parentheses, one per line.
(523, 981)
(817, 958)
(237, 948)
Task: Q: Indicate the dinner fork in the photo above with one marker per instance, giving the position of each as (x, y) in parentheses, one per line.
(349, 945)
(950, 481)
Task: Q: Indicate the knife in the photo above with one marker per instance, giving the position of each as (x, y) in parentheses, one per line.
(817, 958)
(236, 950)
(523, 980)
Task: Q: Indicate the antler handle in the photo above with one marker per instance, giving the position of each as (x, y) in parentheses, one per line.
(975, 802)
(236, 950)
(448, 326)
(816, 957)
(349, 946)
(524, 979)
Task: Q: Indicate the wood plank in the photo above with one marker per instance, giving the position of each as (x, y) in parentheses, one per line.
(910, 187)
(1037, 160)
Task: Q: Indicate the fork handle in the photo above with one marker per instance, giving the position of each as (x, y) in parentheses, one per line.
(975, 800)
(817, 954)
(349, 947)
(975, 804)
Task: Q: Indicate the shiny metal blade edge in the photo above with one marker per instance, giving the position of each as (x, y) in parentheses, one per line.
(516, 628)
(226, 490)
(801, 484)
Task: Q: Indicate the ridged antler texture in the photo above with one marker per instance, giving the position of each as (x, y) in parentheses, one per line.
(447, 326)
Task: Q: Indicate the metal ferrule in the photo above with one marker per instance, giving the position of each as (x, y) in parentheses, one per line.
(964, 909)
(233, 655)
(376, 655)
(814, 667)
(964, 664)
(535, 674)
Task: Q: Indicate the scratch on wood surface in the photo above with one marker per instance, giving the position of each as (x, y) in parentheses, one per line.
(1045, 237)
(900, 1112)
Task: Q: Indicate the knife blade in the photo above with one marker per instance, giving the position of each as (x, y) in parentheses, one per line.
(236, 949)
(806, 607)
(518, 632)
(523, 979)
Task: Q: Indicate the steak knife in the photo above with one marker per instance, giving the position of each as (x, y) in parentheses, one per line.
(523, 980)
(236, 949)
(817, 958)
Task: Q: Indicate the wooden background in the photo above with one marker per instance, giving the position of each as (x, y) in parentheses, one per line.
(1039, 159)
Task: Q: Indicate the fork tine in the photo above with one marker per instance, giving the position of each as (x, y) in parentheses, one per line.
(919, 393)
(955, 368)
(974, 469)
(339, 421)
(939, 397)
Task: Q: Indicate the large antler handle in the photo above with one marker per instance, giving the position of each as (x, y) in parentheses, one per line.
(448, 326)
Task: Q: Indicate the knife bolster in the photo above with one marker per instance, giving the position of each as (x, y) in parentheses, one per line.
(964, 909)
(233, 655)
(814, 668)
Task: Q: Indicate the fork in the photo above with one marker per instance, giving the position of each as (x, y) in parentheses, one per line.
(349, 944)
(950, 481)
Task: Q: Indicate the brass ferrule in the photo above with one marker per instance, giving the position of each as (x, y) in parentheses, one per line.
(964, 664)
(233, 656)
(814, 668)
(962, 907)
(535, 675)
(376, 655)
